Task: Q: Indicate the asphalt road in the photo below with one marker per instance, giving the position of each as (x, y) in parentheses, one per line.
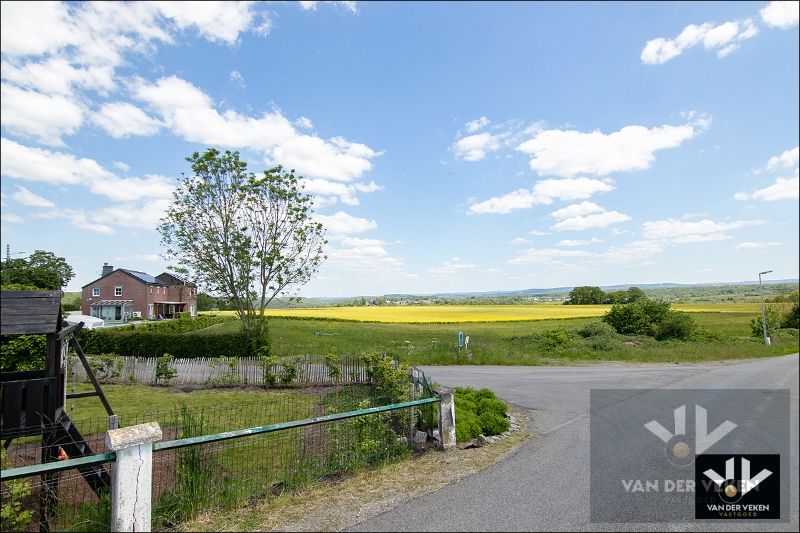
(545, 484)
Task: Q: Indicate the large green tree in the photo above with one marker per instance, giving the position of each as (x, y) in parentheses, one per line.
(586, 295)
(244, 237)
(40, 270)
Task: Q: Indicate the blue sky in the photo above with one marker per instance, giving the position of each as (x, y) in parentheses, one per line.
(449, 146)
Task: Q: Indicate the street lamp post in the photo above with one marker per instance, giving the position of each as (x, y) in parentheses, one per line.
(763, 311)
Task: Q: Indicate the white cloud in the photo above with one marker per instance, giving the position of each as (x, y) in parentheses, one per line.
(58, 168)
(583, 208)
(77, 218)
(546, 255)
(787, 159)
(57, 76)
(27, 198)
(683, 231)
(568, 153)
(634, 253)
(236, 77)
(337, 158)
(121, 165)
(756, 245)
(44, 117)
(781, 15)
(517, 241)
(475, 147)
(215, 21)
(573, 243)
(539, 233)
(451, 267)
(11, 218)
(122, 119)
(355, 254)
(127, 189)
(741, 195)
(519, 199)
(304, 122)
(782, 189)
(542, 193)
(33, 28)
(342, 223)
(37, 164)
(189, 112)
(351, 6)
(474, 125)
(725, 38)
(330, 192)
(596, 220)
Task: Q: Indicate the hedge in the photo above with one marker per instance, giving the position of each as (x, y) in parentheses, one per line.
(156, 344)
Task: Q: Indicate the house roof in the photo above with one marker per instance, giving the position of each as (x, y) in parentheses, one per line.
(144, 276)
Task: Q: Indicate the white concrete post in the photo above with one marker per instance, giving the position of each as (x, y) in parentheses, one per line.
(447, 419)
(132, 475)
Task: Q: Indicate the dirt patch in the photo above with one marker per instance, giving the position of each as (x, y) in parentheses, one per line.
(338, 504)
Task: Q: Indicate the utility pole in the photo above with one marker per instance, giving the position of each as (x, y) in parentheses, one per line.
(763, 309)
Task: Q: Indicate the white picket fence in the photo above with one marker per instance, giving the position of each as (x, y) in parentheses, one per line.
(310, 370)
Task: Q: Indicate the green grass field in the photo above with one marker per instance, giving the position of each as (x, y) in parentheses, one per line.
(722, 335)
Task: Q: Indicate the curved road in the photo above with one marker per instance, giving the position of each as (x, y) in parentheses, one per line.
(545, 484)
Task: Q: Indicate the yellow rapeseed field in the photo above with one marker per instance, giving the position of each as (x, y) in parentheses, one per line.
(427, 314)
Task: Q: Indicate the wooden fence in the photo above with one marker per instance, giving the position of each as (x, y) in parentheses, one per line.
(207, 371)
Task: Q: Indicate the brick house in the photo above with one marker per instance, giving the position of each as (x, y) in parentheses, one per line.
(122, 293)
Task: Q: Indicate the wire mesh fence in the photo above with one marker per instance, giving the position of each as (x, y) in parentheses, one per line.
(230, 473)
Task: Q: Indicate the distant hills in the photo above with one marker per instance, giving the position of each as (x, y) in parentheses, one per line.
(545, 292)
(565, 290)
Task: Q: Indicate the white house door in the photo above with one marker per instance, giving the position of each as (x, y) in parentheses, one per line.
(150, 311)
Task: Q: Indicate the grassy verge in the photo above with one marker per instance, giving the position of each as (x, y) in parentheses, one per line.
(337, 504)
(723, 336)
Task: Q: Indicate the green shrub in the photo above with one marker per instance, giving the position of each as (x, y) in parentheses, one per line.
(478, 412)
(389, 377)
(773, 322)
(597, 328)
(164, 369)
(792, 318)
(652, 318)
(134, 342)
(556, 338)
(675, 325)
(12, 515)
(22, 352)
(106, 367)
(637, 318)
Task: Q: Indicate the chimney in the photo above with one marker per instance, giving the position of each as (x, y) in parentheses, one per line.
(107, 269)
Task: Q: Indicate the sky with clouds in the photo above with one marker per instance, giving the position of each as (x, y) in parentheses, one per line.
(449, 146)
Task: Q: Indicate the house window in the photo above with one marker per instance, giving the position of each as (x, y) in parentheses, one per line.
(117, 291)
(95, 291)
(151, 290)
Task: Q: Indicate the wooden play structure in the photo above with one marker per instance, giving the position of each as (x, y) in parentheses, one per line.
(33, 402)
